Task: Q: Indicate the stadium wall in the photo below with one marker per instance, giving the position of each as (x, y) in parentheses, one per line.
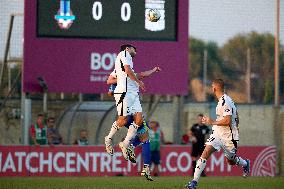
(256, 121)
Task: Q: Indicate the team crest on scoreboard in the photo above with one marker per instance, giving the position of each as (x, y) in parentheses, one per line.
(64, 16)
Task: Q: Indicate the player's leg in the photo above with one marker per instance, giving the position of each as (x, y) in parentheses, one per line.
(201, 148)
(146, 153)
(230, 150)
(120, 122)
(213, 144)
(131, 153)
(201, 163)
(138, 118)
(155, 159)
(194, 156)
(140, 139)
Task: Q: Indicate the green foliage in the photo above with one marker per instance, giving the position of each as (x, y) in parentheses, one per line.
(230, 63)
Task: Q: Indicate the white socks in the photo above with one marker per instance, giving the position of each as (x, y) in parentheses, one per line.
(132, 130)
(114, 128)
(200, 165)
(240, 161)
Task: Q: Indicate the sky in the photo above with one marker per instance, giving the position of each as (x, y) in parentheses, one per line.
(220, 20)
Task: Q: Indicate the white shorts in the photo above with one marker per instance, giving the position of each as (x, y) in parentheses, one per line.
(127, 103)
(226, 144)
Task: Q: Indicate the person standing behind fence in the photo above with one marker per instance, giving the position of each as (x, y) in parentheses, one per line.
(83, 138)
(156, 138)
(54, 138)
(38, 131)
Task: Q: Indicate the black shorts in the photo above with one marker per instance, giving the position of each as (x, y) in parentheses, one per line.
(197, 150)
(155, 157)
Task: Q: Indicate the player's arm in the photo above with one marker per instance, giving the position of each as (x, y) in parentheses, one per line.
(226, 121)
(133, 77)
(148, 73)
(111, 80)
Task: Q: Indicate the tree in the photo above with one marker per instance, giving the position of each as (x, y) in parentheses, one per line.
(234, 53)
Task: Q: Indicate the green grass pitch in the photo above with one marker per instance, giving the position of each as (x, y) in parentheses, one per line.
(138, 183)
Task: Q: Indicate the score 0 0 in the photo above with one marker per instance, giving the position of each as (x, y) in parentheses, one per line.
(125, 11)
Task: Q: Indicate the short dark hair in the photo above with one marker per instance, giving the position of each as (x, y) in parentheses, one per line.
(123, 47)
(200, 115)
(219, 82)
(156, 123)
(50, 118)
(40, 115)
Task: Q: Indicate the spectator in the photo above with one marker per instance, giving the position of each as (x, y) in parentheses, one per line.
(197, 135)
(83, 138)
(38, 131)
(53, 137)
(156, 138)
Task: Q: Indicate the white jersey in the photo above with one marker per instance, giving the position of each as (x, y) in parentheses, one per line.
(124, 83)
(226, 107)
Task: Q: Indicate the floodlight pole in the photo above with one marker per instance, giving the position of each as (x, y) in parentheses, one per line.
(276, 59)
(45, 102)
(26, 111)
(205, 58)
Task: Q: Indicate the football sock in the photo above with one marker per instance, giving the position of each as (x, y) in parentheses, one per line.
(146, 154)
(193, 166)
(201, 163)
(114, 128)
(240, 161)
(132, 130)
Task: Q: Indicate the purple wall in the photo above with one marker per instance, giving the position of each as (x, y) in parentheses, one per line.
(65, 64)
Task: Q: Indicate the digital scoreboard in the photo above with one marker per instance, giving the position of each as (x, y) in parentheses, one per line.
(108, 19)
(73, 44)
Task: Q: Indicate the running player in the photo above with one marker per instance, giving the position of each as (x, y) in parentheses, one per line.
(225, 134)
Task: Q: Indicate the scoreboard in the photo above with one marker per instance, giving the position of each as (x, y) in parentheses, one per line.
(108, 19)
(72, 44)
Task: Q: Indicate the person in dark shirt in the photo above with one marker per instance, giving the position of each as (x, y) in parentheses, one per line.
(197, 136)
(53, 136)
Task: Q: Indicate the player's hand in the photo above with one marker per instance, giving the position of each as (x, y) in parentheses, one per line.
(193, 140)
(207, 120)
(157, 69)
(142, 85)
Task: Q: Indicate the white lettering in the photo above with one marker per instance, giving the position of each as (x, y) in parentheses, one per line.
(95, 156)
(216, 162)
(105, 162)
(70, 161)
(104, 61)
(55, 162)
(9, 164)
(20, 156)
(84, 162)
(95, 61)
(47, 162)
(188, 162)
(97, 10)
(29, 163)
(116, 162)
(168, 161)
(125, 12)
